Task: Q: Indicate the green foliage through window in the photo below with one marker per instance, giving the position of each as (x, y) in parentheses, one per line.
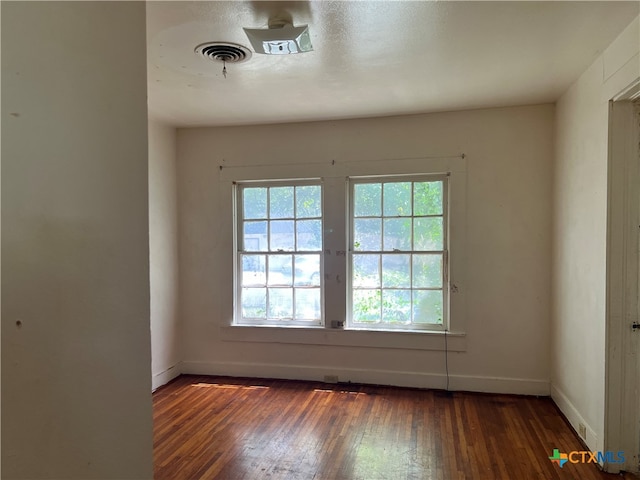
(398, 242)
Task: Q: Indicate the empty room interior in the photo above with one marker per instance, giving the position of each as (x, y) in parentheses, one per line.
(338, 239)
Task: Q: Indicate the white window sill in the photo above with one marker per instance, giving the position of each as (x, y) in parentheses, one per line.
(415, 340)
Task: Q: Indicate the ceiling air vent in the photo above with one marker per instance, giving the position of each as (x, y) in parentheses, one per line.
(224, 52)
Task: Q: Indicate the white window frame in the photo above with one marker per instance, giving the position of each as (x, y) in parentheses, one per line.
(240, 251)
(335, 193)
(382, 179)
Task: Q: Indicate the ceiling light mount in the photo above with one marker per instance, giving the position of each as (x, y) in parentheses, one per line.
(281, 38)
(280, 21)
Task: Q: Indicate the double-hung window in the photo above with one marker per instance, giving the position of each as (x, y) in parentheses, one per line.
(393, 251)
(398, 254)
(279, 248)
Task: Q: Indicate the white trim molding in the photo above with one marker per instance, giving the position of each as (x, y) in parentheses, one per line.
(454, 342)
(574, 417)
(335, 201)
(518, 386)
(164, 377)
(622, 374)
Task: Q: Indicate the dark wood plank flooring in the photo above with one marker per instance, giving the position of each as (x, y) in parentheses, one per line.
(230, 428)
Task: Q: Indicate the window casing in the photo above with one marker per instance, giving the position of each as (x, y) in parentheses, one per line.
(282, 272)
(279, 253)
(398, 255)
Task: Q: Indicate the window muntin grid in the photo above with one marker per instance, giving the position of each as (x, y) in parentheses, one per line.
(398, 255)
(279, 253)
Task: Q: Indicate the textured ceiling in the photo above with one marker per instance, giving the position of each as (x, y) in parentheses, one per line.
(373, 58)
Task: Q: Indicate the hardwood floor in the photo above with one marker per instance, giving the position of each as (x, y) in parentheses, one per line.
(229, 428)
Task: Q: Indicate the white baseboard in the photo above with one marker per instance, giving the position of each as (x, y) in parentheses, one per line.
(517, 386)
(162, 378)
(575, 418)
(375, 377)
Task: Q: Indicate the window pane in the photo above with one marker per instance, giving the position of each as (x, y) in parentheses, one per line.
(366, 270)
(307, 270)
(282, 235)
(281, 303)
(309, 234)
(281, 202)
(254, 302)
(397, 234)
(307, 304)
(427, 306)
(366, 306)
(367, 199)
(427, 271)
(254, 202)
(397, 199)
(308, 201)
(253, 270)
(255, 236)
(281, 219)
(367, 234)
(396, 306)
(427, 233)
(280, 270)
(427, 198)
(396, 271)
(397, 221)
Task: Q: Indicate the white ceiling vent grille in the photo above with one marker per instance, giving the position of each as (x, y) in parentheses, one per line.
(224, 52)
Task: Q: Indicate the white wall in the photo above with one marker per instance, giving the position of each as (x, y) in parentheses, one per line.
(579, 235)
(509, 154)
(163, 254)
(75, 273)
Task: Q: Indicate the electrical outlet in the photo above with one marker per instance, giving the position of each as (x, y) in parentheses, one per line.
(330, 379)
(582, 431)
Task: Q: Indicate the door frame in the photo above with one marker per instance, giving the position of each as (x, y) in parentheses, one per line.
(622, 370)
